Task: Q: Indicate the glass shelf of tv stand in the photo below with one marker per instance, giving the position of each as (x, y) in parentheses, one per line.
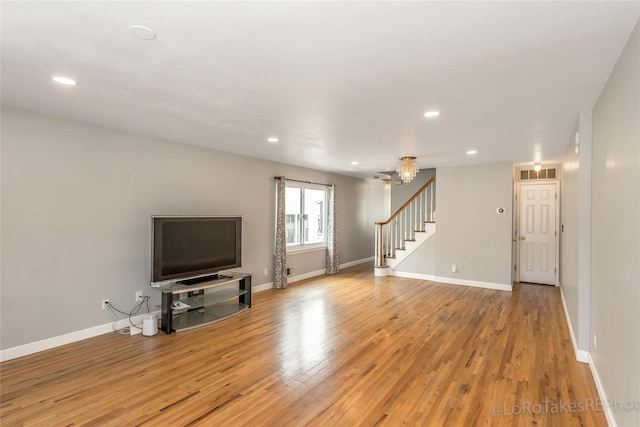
(209, 297)
(203, 303)
(207, 314)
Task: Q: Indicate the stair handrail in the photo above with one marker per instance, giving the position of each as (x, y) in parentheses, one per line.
(407, 203)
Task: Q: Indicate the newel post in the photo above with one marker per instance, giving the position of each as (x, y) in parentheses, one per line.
(379, 248)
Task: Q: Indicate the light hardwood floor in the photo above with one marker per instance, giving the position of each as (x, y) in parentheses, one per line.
(344, 350)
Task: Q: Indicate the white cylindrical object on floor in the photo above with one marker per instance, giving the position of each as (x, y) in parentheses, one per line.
(149, 325)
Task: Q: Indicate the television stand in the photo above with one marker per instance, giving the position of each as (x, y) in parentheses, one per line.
(191, 305)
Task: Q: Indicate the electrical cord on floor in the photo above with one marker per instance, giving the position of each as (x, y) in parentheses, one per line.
(113, 316)
(127, 330)
(122, 331)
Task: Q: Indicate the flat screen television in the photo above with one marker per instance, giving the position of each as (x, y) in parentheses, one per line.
(193, 247)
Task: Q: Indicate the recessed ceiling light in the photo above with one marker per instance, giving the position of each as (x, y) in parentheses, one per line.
(143, 33)
(432, 114)
(354, 163)
(472, 152)
(64, 80)
(273, 139)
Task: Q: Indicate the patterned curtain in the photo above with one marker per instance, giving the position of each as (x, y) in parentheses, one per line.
(280, 270)
(332, 238)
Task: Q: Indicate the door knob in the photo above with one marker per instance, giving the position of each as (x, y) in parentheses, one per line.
(522, 237)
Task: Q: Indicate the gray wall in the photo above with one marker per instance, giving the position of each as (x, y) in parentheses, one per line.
(469, 232)
(76, 207)
(423, 259)
(615, 292)
(401, 193)
(575, 234)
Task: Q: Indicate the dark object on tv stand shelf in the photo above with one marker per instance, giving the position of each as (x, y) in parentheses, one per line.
(203, 279)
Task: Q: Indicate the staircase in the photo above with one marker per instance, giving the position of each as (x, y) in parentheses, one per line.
(409, 227)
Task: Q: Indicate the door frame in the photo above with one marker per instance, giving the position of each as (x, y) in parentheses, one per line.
(516, 228)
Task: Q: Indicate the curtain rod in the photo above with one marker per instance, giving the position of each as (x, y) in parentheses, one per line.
(304, 182)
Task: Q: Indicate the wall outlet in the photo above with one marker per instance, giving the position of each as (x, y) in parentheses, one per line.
(266, 271)
(138, 296)
(105, 303)
(454, 268)
(595, 341)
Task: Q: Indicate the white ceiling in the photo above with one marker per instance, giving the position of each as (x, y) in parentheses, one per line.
(336, 81)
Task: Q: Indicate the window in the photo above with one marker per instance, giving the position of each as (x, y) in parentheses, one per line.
(305, 216)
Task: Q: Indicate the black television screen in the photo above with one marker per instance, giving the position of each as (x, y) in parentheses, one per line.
(190, 247)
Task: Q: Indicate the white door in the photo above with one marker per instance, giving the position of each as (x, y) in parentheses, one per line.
(538, 232)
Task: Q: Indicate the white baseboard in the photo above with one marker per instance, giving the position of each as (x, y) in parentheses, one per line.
(581, 355)
(452, 281)
(263, 287)
(316, 273)
(48, 343)
(608, 413)
(585, 357)
(309, 275)
(357, 262)
(297, 278)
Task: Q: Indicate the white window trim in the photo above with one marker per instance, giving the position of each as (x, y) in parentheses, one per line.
(297, 249)
(310, 247)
